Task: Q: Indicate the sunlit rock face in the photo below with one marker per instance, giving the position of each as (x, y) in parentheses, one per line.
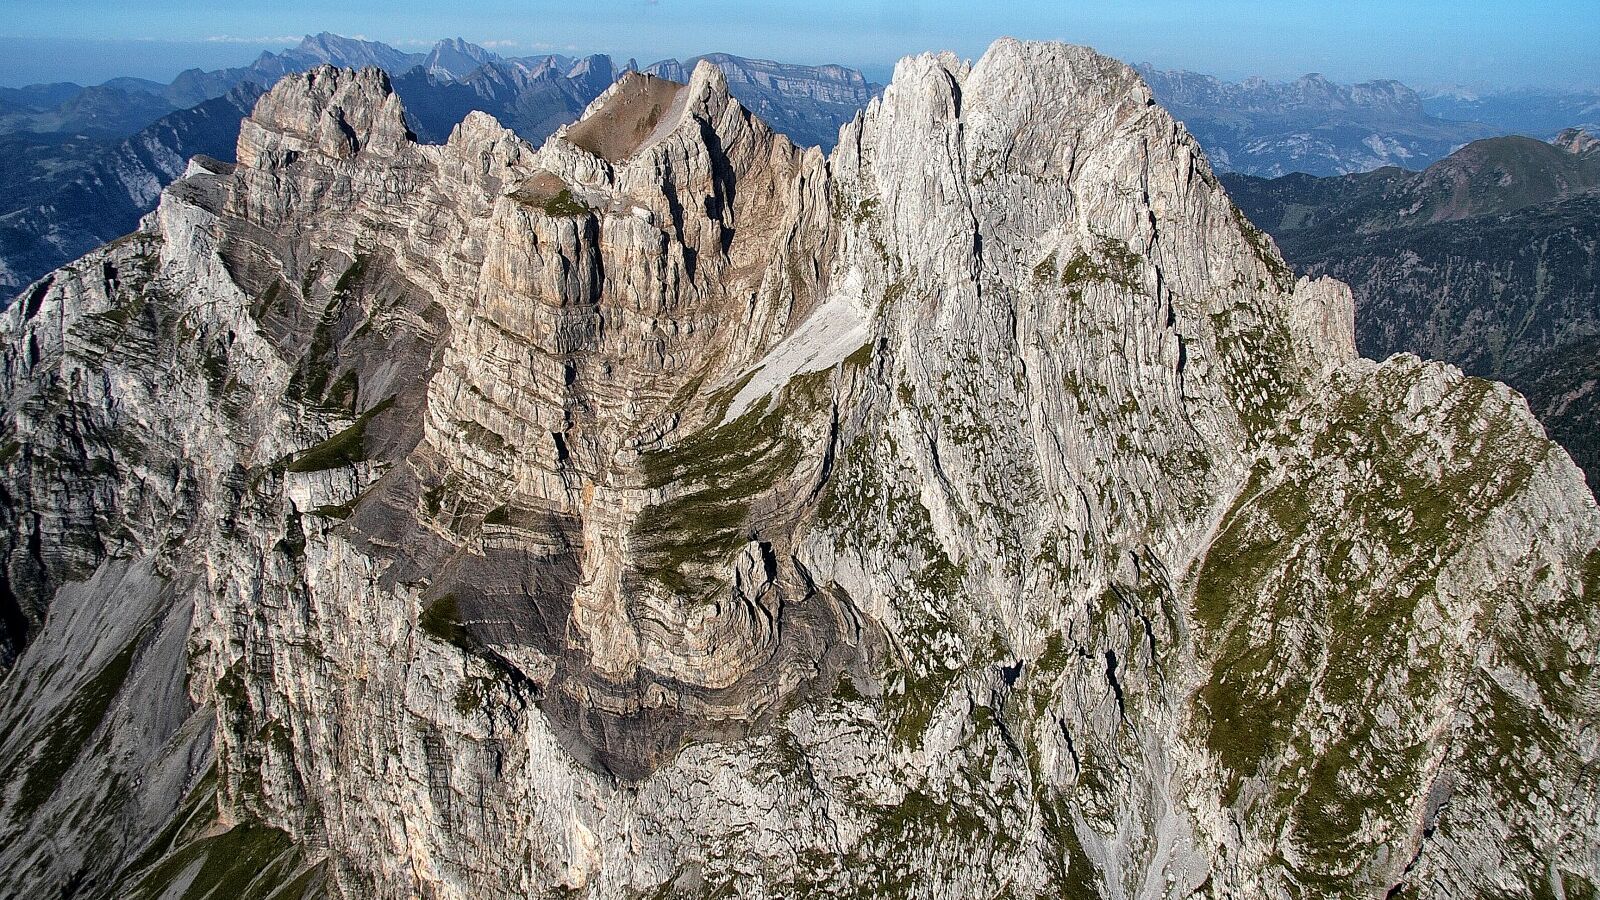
(980, 510)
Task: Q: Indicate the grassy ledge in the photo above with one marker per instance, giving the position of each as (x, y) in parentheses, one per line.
(346, 448)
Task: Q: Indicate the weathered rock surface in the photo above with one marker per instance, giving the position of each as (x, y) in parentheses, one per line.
(1489, 260)
(983, 509)
(60, 208)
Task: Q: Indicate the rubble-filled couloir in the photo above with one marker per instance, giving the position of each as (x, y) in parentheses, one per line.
(980, 510)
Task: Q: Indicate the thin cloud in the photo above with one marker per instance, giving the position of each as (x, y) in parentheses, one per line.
(232, 39)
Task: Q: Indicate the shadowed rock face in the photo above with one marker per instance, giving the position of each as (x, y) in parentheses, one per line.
(524, 445)
(981, 509)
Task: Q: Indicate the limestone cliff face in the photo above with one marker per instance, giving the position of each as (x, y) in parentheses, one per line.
(983, 509)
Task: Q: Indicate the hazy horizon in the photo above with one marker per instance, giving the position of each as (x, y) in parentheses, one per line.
(1498, 45)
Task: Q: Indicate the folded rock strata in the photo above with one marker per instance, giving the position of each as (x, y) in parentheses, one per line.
(982, 509)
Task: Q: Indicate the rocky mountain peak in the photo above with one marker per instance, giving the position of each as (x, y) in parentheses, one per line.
(627, 115)
(332, 111)
(1057, 115)
(688, 158)
(1577, 141)
(641, 110)
(457, 58)
(808, 103)
(596, 66)
(349, 52)
(981, 509)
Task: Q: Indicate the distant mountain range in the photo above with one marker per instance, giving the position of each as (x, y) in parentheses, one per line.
(1539, 113)
(122, 106)
(106, 111)
(1489, 259)
(1315, 126)
(532, 98)
(1308, 125)
(807, 103)
(80, 165)
(58, 207)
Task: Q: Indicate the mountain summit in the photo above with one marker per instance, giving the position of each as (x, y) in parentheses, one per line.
(58, 207)
(982, 509)
(456, 59)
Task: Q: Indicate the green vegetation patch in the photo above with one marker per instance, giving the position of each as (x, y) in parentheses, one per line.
(1046, 269)
(864, 211)
(861, 357)
(1075, 874)
(345, 448)
(1261, 246)
(1250, 548)
(441, 620)
(1112, 262)
(351, 276)
(336, 510)
(474, 692)
(198, 812)
(342, 395)
(1260, 369)
(1307, 599)
(246, 862)
(1351, 781)
(564, 205)
(481, 435)
(311, 377)
(962, 821)
(928, 602)
(719, 471)
(858, 212)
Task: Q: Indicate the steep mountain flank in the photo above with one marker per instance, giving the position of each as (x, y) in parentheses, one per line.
(983, 509)
(1487, 259)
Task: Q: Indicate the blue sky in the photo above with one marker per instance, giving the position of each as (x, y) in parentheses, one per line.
(1424, 42)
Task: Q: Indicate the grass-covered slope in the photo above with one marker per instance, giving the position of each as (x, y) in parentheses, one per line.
(1364, 678)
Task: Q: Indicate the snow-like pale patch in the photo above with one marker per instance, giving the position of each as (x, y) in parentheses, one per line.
(834, 330)
(668, 123)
